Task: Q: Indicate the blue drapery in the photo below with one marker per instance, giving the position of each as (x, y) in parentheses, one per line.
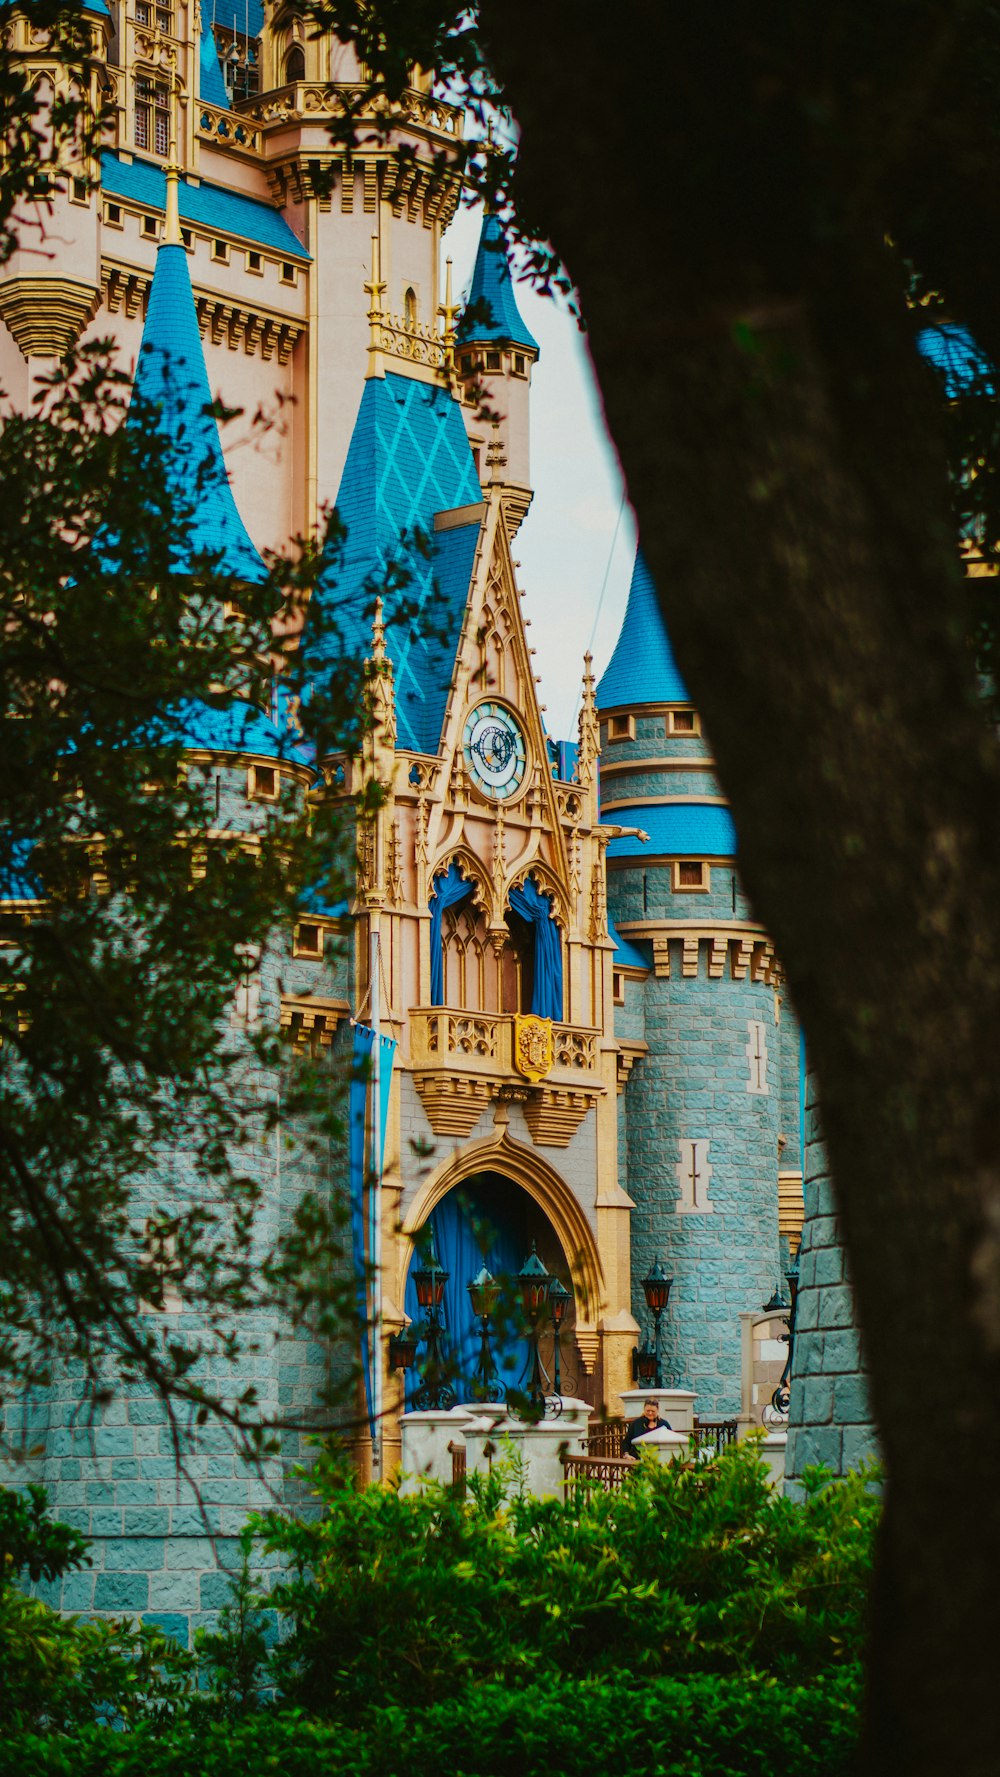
(450, 889)
(459, 1227)
(361, 1071)
(532, 905)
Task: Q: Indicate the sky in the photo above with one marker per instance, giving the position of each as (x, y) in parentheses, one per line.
(578, 537)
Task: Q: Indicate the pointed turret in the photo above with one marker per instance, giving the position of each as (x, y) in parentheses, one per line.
(642, 668)
(171, 392)
(211, 81)
(495, 355)
(492, 316)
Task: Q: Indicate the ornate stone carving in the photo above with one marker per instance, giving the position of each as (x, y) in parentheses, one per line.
(454, 1104)
(553, 1115)
(533, 1048)
(47, 315)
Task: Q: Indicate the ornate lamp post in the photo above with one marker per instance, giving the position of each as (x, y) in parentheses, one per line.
(644, 1364)
(429, 1280)
(484, 1293)
(403, 1349)
(656, 1286)
(534, 1283)
(776, 1411)
(559, 1300)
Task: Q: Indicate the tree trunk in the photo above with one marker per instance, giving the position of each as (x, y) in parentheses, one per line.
(783, 448)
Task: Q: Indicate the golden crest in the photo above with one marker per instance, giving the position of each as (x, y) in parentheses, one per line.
(533, 1053)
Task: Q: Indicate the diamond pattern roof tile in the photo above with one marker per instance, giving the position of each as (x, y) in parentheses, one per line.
(409, 458)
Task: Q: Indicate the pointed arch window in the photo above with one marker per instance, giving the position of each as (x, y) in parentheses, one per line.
(450, 889)
(410, 307)
(535, 908)
(295, 64)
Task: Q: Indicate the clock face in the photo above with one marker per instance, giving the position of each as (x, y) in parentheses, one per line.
(493, 745)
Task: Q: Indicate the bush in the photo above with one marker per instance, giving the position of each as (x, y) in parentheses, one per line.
(56, 1671)
(692, 1568)
(701, 1726)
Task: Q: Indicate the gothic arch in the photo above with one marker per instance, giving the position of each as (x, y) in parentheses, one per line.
(525, 1167)
(547, 881)
(471, 869)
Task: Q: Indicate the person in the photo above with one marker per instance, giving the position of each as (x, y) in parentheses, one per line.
(637, 1428)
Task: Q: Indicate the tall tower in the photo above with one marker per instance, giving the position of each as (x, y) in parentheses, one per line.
(496, 353)
(703, 1110)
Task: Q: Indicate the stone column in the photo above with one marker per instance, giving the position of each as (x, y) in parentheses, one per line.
(425, 1439)
(830, 1417)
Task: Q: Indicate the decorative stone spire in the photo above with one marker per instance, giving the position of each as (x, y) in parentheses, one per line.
(589, 738)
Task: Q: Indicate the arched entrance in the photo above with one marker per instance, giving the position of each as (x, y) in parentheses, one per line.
(489, 1219)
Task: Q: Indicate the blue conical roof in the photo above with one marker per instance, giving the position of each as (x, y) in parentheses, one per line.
(491, 311)
(171, 383)
(211, 84)
(642, 668)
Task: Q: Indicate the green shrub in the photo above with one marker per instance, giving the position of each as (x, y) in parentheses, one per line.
(697, 1567)
(56, 1671)
(701, 1726)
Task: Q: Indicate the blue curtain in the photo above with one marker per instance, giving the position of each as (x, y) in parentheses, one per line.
(458, 1228)
(532, 905)
(361, 1070)
(449, 890)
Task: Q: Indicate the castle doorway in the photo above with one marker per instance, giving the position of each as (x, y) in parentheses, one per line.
(489, 1219)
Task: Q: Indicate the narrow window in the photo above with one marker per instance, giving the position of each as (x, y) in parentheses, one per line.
(493, 361)
(220, 252)
(262, 783)
(186, 238)
(621, 727)
(308, 939)
(295, 64)
(684, 722)
(254, 262)
(80, 192)
(113, 215)
(618, 988)
(690, 873)
(410, 307)
(520, 368)
(150, 227)
(287, 272)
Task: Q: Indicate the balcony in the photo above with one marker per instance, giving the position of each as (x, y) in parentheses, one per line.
(463, 1061)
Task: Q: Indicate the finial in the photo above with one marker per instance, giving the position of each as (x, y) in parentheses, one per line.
(448, 309)
(378, 635)
(172, 236)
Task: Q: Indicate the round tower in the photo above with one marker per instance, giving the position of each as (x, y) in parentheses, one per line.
(703, 1104)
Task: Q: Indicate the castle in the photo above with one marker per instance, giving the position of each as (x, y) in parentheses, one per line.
(583, 1038)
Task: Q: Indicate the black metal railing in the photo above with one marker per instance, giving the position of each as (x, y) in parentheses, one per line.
(715, 1434)
(607, 1437)
(604, 1472)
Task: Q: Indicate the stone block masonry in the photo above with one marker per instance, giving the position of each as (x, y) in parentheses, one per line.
(830, 1417)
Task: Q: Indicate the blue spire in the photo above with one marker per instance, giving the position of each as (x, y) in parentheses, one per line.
(642, 668)
(211, 85)
(491, 311)
(171, 380)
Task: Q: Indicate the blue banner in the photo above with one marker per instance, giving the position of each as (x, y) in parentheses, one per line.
(358, 1123)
